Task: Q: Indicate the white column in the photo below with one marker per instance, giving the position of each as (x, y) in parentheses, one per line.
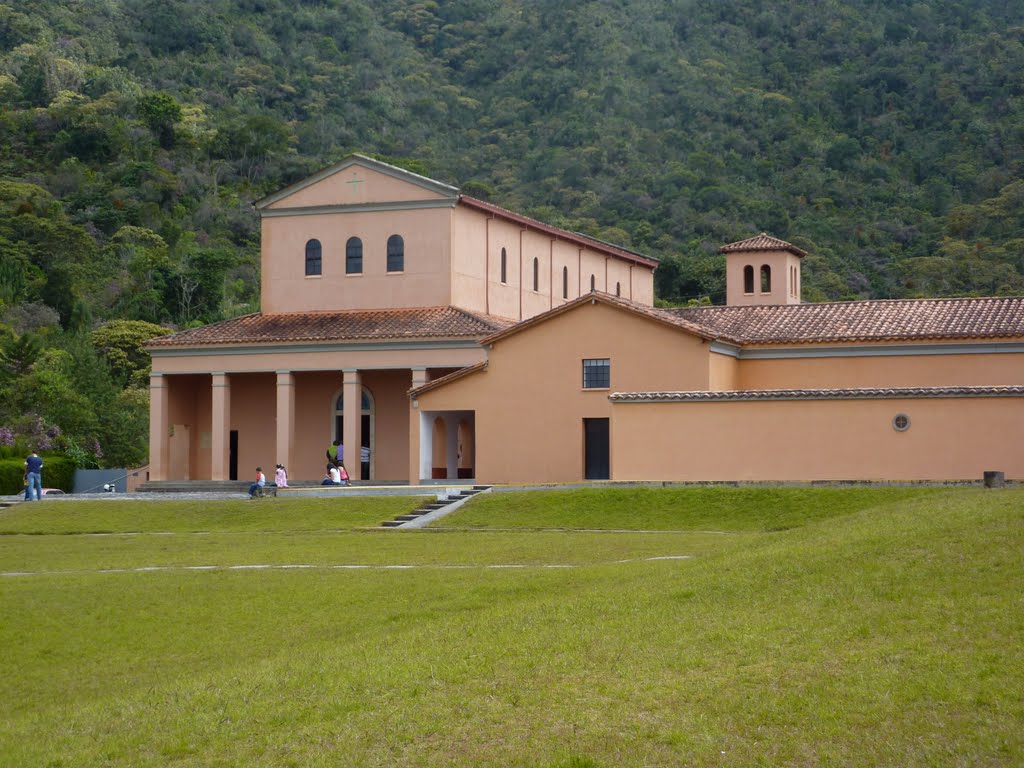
(220, 427)
(285, 417)
(158, 426)
(353, 416)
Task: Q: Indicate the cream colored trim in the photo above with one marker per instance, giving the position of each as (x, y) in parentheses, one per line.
(861, 393)
(366, 162)
(313, 369)
(263, 349)
(869, 350)
(316, 210)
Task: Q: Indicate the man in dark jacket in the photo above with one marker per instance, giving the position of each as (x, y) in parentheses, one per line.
(33, 477)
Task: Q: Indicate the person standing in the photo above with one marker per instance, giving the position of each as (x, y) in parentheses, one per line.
(281, 477)
(33, 477)
(261, 481)
(335, 452)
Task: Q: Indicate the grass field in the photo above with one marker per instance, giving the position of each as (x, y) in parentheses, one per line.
(619, 627)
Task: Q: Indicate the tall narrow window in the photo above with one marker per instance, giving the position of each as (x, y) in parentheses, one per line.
(396, 254)
(593, 284)
(504, 266)
(314, 257)
(597, 374)
(565, 282)
(618, 289)
(536, 275)
(766, 279)
(748, 279)
(354, 256)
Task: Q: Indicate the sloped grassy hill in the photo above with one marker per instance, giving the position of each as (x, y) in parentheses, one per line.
(876, 627)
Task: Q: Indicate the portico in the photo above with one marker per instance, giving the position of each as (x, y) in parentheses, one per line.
(264, 404)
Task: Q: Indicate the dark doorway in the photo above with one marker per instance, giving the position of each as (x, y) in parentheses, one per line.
(339, 430)
(232, 455)
(595, 449)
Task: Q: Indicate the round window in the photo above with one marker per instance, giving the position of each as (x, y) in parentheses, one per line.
(901, 422)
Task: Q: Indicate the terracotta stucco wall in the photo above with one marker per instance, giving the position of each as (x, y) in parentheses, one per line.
(288, 360)
(530, 402)
(503, 297)
(188, 401)
(892, 371)
(783, 291)
(724, 372)
(536, 247)
(566, 272)
(356, 185)
(469, 278)
(477, 240)
(253, 414)
(951, 439)
(424, 281)
(391, 422)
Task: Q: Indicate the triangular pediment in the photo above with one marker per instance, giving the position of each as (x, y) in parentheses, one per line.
(358, 181)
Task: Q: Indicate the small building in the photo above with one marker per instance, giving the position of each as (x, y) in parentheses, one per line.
(479, 343)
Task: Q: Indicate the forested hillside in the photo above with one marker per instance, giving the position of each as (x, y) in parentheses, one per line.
(886, 138)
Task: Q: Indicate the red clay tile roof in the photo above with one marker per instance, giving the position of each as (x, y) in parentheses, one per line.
(657, 315)
(440, 382)
(348, 325)
(861, 321)
(762, 242)
(562, 234)
(863, 393)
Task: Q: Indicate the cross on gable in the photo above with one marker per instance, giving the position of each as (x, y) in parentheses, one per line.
(356, 181)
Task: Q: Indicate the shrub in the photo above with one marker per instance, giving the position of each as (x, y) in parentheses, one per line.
(58, 472)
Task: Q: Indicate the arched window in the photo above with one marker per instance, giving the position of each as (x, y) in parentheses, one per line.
(314, 257)
(565, 282)
(618, 289)
(396, 254)
(504, 266)
(536, 275)
(354, 256)
(748, 279)
(766, 279)
(593, 284)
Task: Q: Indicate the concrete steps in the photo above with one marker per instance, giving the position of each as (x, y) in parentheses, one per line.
(434, 506)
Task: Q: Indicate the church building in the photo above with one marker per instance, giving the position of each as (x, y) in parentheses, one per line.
(449, 338)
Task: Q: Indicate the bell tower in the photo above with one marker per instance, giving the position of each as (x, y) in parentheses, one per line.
(762, 270)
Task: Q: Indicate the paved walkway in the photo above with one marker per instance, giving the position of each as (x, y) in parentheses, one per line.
(131, 497)
(344, 567)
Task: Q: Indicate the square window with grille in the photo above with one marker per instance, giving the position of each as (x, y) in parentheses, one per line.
(597, 374)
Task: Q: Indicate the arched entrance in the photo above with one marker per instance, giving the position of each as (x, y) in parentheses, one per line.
(366, 430)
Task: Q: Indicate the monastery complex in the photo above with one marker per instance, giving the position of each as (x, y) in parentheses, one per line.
(451, 339)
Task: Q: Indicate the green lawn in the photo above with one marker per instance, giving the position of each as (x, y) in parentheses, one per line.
(828, 626)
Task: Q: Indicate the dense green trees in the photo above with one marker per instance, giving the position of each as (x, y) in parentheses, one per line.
(887, 139)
